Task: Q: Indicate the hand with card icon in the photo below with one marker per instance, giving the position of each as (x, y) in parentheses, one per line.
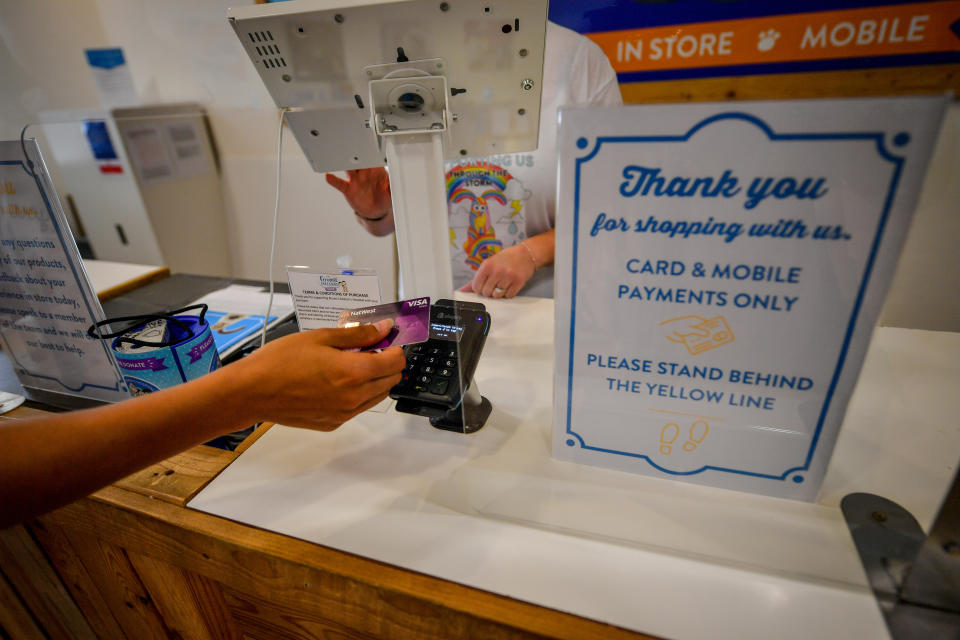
(680, 328)
(699, 334)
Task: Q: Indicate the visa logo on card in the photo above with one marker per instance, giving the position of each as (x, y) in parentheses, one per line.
(411, 321)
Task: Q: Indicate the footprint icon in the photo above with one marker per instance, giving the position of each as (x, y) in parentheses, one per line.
(766, 39)
(668, 435)
(698, 432)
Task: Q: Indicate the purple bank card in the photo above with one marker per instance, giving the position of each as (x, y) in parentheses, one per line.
(411, 321)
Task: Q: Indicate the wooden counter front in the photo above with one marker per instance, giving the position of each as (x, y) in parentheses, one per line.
(131, 561)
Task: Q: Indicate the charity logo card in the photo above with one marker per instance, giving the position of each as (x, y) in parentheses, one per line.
(411, 321)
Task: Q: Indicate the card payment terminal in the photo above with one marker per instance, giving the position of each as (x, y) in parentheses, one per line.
(438, 380)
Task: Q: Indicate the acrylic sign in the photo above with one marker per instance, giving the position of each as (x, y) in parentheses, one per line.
(720, 268)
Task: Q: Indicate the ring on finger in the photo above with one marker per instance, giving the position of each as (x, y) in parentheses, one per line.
(498, 292)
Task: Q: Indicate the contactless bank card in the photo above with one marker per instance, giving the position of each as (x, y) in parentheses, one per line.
(411, 321)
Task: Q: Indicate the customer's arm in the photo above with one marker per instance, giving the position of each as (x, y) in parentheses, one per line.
(303, 380)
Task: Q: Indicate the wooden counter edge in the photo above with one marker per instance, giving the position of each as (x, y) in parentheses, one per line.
(130, 285)
(144, 513)
(158, 519)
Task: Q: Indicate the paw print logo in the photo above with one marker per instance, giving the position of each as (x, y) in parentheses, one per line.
(766, 39)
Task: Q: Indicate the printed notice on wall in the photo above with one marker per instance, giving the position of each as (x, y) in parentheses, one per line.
(112, 76)
(46, 302)
(319, 296)
(720, 268)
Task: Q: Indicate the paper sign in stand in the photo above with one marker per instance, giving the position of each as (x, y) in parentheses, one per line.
(320, 295)
(46, 300)
(720, 270)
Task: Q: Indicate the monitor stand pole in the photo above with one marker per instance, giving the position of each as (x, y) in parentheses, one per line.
(418, 189)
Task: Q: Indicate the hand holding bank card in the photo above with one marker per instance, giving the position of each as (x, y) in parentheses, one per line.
(411, 320)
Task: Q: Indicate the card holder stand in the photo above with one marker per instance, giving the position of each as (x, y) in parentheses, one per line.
(470, 416)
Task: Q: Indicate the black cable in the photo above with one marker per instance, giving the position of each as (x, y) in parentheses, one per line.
(23, 147)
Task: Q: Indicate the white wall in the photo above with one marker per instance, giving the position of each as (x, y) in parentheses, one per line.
(178, 51)
(925, 292)
(41, 62)
(42, 58)
(184, 50)
(315, 227)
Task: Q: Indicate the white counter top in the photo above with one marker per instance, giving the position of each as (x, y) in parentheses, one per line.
(493, 510)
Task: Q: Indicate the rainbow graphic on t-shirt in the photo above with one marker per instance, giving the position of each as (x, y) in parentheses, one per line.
(489, 182)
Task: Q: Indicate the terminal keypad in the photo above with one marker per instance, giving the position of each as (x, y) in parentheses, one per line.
(431, 368)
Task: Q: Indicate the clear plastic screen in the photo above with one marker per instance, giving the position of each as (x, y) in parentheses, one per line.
(46, 300)
(712, 318)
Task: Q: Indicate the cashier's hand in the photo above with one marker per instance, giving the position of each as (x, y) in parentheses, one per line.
(367, 191)
(309, 380)
(503, 274)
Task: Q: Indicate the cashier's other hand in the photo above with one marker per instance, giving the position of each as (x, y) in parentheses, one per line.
(309, 380)
(367, 191)
(503, 274)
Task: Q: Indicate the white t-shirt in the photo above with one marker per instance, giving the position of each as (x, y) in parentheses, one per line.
(498, 201)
